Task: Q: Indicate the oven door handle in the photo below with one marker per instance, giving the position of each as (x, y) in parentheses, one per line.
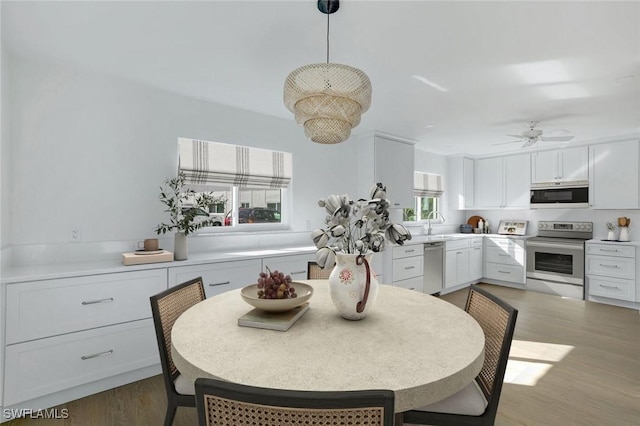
(556, 246)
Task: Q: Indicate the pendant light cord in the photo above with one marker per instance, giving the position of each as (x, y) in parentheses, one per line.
(328, 14)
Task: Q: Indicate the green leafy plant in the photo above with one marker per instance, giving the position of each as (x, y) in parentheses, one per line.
(182, 217)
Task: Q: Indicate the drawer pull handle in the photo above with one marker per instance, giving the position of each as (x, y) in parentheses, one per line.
(93, 302)
(610, 286)
(609, 266)
(409, 251)
(86, 357)
(458, 252)
(298, 272)
(408, 267)
(609, 250)
(504, 272)
(504, 255)
(223, 283)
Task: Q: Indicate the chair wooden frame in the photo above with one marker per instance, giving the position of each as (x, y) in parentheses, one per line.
(223, 403)
(491, 376)
(166, 307)
(315, 272)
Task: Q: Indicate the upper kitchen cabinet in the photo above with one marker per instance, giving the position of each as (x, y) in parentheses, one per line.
(502, 182)
(614, 175)
(460, 183)
(562, 165)
(390, 160)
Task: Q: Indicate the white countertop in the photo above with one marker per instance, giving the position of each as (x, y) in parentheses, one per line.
(622, 243)
(15, 274)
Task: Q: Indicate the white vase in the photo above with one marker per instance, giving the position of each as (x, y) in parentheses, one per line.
(348, 285)
(181, 246)
(611, 235)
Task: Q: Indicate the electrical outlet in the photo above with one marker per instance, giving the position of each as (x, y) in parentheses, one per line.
(75, 233)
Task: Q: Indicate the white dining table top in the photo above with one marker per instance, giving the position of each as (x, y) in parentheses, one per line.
(422, 348)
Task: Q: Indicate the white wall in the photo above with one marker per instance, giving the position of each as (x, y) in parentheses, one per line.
(90, 151)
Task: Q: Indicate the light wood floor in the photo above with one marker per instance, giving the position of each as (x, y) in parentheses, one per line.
(591, 352)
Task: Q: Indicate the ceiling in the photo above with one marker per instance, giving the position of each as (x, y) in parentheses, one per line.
(570, 65)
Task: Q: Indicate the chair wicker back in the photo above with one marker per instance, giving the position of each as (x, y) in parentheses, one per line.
(166, 307)
(222, 403)
(498, 321)
(315, 272)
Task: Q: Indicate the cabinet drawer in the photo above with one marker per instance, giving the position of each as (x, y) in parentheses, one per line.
(618, 267)
(611, 250)
(295, 265)
(219, 277)
(457, 244)
(411, 284)
(51, 307)
(613, 288)
(400, 252)
(498, 255)
(507, 244)
(510, 273)
(409, 267)
(45, 366)
(475, 242)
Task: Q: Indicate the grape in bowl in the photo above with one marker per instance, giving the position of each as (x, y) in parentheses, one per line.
(250, 295)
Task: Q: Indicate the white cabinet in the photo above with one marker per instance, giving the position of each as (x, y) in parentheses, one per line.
(218, 277)
(69, 333)
(408, 266)
(502, 182)
(505, 260)
(611, 271)
(460, 183)
(456, 270)
(476, 261)
(614, 175)
(561, 165)
(294, 265)
(389, 160)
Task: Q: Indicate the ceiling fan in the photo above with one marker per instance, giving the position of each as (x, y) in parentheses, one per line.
(533, 135)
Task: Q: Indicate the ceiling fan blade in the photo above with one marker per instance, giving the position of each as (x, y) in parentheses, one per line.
(504, 143)
(515, 136)
(529, 142)
(557, 138)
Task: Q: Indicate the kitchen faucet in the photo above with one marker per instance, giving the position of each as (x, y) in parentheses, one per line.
(432, 214)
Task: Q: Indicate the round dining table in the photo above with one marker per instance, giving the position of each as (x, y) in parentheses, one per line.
(422, 348)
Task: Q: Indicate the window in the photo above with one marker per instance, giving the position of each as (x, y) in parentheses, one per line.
(249, 182)
(422, 207)
(427, 189)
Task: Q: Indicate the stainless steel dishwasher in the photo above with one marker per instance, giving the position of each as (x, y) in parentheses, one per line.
(433, 267)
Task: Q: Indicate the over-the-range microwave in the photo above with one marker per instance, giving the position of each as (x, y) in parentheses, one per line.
(560, 195)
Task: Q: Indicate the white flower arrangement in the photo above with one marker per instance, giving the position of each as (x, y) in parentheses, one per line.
(356, 227)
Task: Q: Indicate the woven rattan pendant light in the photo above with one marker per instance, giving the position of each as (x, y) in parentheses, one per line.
(327, 99)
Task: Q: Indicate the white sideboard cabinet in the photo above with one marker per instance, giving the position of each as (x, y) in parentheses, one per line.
(71, 337)
(220, 276)
(611, 271)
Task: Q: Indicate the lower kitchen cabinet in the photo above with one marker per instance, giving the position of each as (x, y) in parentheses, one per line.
(218, 277)
(611, 273)
(456, 261)
(78, 335)
(476, 260)
(505, 260)
(294, 265)
(408, 267)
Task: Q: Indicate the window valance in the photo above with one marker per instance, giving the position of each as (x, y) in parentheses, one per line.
(214, 163)
(427, 185)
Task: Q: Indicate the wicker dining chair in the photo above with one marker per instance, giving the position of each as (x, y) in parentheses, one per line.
(166, 307)
(477, 404)
(315, 272)
(221, 403)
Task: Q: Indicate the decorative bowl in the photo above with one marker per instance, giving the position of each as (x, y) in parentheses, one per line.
(250, 295)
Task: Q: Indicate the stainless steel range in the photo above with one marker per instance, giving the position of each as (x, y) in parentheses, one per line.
(555, 258)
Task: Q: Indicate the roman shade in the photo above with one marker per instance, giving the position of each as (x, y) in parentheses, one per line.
(220, 164)
(427, 185)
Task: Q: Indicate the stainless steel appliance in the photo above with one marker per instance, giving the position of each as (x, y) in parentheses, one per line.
(560, 195)
(433, 267)
(555, 258)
